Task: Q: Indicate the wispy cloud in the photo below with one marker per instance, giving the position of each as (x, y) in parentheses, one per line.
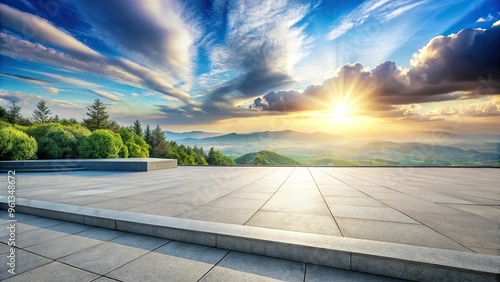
(76, 56)
(262, 44)
(373, 10)
(485, 19)
(24, 78)
(52, 90)
(105, 95)
(154, 32)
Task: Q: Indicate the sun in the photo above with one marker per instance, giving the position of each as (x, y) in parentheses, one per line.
(341, 110)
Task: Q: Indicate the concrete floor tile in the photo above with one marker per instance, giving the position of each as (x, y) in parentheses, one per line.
(173, 262)
(317, 273)
(318, 224)
(237, 203)
(162, 208)
(250, 195)
(487, 212)
(24, 261)
(373, 213)
(68, 245)
(475, 231)
(108, 256)
(354, 201)
(293, 207)
(395, 232)
(54, 272)
(117, 204)
(218, 214)
(238, 266)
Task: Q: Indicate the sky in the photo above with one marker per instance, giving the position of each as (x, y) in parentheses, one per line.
(340, 67)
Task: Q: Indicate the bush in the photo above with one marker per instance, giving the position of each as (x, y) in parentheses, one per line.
(16, 145)
(38, 131)
(78, 131)
(100, 144)
(136, 146)
(56, 144)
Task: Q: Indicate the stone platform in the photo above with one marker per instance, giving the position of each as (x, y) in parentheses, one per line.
(409, 223)
(63, 165)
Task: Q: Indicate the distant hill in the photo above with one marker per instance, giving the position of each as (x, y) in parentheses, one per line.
(265, 158)
(176, 136)
(269, 136)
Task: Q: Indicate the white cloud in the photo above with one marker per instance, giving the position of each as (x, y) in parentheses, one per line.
(261, 46)
(155, 32)
(34, 27)
(497, 23)
(373, 10)
(52, 90)
(78, 57)
(486, 19)
(65, 104)
(105, 95)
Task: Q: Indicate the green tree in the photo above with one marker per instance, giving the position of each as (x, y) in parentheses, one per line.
(101, 143)
(68, 121)
(217, 158)
(42, 113)
(3, 114)
(14, 114)
(159, 146)
(16, 145)
(98, 117)
(136, 128)
(148, 136)
(56, 144)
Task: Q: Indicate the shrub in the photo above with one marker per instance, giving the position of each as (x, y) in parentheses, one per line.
(78, 131)
(56, 144)
(16, 145)
(137, 147)
(101, 143)
(38, 131)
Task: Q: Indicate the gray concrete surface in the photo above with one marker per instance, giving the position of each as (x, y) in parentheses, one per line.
(95, 254)
(448, 208)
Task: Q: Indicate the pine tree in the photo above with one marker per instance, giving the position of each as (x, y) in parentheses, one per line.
(42, 113)
(136, 128)
(3, 114)
(14, 114)
(158, 135)
(159, 146)
(98, 116)
(148, 136)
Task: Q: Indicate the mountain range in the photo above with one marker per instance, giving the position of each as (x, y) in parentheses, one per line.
(389, 148)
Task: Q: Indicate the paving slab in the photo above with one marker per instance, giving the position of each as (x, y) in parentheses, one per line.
(108, 256)
(397, 232)
(24, 261)
(238, 266)
(174, 261)
(318, 273)
(55, 272)
(319, 224)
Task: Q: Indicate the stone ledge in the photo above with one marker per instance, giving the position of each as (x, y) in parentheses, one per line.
(132, 164)
(381, 258)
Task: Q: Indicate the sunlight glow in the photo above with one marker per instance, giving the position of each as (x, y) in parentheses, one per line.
(341, 110)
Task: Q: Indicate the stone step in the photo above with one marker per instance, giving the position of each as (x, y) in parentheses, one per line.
(381, 258)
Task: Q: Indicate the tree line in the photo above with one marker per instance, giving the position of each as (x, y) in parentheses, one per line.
(44, 136)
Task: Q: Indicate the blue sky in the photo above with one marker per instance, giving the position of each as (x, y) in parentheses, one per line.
(239, 65)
